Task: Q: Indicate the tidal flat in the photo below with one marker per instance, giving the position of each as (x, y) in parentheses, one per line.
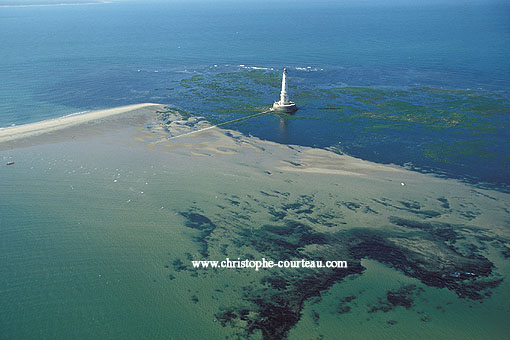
(101, 220)
(460, 133)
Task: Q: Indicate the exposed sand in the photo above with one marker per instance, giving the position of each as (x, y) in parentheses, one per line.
(323, 161)
(194, 136)
(39, 128)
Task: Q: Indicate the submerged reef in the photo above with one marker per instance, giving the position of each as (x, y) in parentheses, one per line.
(459, 133)
(404, 297)
(433, 240)
(407, 235)
(438, 254)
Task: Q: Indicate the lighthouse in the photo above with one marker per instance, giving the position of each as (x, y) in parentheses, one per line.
(284, 104)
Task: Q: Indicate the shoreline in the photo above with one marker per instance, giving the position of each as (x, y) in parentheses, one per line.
(17, 132)
(316, 160)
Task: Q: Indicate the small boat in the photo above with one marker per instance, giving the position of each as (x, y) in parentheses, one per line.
(10, 163)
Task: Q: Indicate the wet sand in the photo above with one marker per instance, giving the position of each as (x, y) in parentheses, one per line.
(52, 125)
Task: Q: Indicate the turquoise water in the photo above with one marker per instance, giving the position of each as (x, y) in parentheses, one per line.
(85, 260)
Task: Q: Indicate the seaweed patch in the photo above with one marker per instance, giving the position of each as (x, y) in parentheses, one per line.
(343, 306)
(438, 254)
(401, 297)
(204, 225)
(440, 265)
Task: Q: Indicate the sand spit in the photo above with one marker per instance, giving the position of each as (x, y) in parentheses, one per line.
(39, 128)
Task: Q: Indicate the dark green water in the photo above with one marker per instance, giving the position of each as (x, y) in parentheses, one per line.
(458, 133)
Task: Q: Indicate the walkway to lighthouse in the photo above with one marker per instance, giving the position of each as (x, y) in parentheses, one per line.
(284, 105)
(225, 123)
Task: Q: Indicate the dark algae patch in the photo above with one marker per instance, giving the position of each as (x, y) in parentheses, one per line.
(402, 297)
(438, 254)
(276, 307)
(344, 304)
(409, 234)
(205, 227)
(289, 238)
(432, 259)
(438, 230)
(178, 266)
(455, 133)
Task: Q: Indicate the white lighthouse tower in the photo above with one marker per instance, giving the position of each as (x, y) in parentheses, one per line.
(284, 105)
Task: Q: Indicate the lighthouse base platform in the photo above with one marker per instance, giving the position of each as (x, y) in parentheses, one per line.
(288, 108)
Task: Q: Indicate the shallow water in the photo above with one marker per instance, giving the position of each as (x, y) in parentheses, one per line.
(434, 314)
(99, 233)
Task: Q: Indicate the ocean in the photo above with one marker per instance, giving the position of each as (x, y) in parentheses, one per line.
(99, 223)
(60, 60)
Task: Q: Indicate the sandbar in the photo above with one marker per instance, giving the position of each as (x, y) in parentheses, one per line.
(51, 125)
